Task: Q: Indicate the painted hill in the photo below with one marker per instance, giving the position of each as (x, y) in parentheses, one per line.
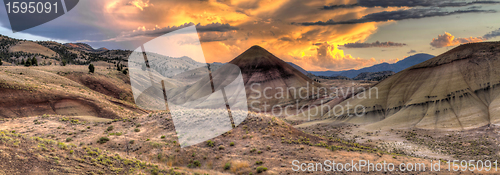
(456, 90)
(396, 67)
(264, 70)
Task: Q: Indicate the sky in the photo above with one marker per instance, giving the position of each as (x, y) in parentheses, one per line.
(317, 35)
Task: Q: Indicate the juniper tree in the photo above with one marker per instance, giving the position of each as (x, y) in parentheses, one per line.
(34, 62)
(91, 68)
(27, 63)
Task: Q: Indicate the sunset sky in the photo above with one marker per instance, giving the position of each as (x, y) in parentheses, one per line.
(317, 35)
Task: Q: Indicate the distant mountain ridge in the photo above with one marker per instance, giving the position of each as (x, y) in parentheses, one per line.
(396, 67)
(84, 47)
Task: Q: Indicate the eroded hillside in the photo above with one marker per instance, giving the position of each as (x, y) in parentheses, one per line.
(456, 90)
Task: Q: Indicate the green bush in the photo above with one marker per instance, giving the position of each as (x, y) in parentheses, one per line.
(210, 143)
(137, 130)
(69, 139)
(110, 128)
(231, 144)
(197, 163)
(162, 137)
(103, 140)
(261, 169)
(227, 166)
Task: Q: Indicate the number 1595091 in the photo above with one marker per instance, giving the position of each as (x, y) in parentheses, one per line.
(31, 7)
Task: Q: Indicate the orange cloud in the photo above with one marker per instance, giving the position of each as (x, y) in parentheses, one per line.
(329, 57)
(447, 39)
(265, 23)
(140, 4)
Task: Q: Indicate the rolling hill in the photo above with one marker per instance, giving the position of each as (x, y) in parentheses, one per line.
(64, 90)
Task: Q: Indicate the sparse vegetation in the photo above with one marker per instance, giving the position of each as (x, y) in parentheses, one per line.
(103, 140)
(116, 133)
(210, 143)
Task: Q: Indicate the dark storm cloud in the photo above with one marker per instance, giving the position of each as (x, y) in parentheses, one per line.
(286, 39)
(492, 34)
(412, 51)
(374, 44)
(214, 27)
(397, 16)
(411, 3)
(215, 36)
(341, 6)
(421, 3)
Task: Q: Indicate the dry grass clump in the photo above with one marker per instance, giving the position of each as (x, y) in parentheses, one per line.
(239, 166)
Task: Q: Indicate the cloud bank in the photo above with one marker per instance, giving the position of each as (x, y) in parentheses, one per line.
(448, 39)
(421, 3)
(397, 16)
(374, 44)
(492, 34)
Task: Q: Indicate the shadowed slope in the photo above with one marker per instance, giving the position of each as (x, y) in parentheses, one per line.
(31, 91)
